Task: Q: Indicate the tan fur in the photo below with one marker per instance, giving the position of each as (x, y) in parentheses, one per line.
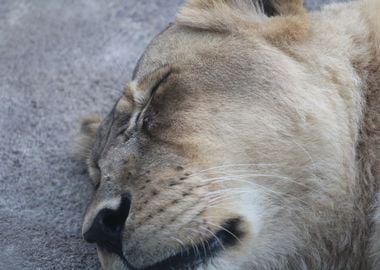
(371, 133)
(86, 141)
(371, 13)
(269, 121)
(243, 15)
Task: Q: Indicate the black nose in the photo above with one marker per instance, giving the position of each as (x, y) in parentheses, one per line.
(108, 225)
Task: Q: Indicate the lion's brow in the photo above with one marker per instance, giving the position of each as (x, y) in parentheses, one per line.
(139, 93)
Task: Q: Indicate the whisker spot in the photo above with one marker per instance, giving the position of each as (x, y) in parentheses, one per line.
(179, 168)
(175, 201)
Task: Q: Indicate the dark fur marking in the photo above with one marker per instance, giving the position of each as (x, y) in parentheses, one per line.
(179, 168)
(175, 201)
(171, 184)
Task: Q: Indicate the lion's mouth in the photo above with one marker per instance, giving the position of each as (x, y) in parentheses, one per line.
(202, 253)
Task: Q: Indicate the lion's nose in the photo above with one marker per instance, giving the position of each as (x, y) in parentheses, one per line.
(107, 226)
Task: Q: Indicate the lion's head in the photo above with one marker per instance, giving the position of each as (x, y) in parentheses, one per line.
(215, 155)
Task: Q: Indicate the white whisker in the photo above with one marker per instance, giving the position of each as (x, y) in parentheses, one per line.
(224, 229)
(229, 166)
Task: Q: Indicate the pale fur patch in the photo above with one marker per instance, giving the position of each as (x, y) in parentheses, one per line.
(110, 261)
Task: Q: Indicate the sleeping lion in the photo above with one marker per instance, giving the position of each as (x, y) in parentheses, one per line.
(247, 139)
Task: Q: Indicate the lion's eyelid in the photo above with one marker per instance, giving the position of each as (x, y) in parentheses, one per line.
(140, 93)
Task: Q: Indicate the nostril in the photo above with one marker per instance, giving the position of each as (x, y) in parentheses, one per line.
(101, 230)
(107, 226)
(112, 221)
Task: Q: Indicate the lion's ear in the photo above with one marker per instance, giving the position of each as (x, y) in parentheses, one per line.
(218, 15)
(86, 140)
(288, 21)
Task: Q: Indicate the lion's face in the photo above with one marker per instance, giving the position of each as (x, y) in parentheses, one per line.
(182, 179)
(202, 160)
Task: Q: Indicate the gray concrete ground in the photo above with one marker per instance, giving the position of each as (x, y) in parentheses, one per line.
(60, 60)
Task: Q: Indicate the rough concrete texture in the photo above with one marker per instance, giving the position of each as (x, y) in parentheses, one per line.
(60, 60)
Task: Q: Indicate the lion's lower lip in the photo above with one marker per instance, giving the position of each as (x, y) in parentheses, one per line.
(201, 253)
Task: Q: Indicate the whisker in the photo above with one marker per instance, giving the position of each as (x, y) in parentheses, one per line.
(203, 242)
(267, 191)
(224, 229)
(229, 166)
(181, 244)
(239, 176)
(227, 195)
(216, 238)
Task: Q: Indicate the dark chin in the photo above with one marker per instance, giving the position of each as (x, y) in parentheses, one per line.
(201, 254)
